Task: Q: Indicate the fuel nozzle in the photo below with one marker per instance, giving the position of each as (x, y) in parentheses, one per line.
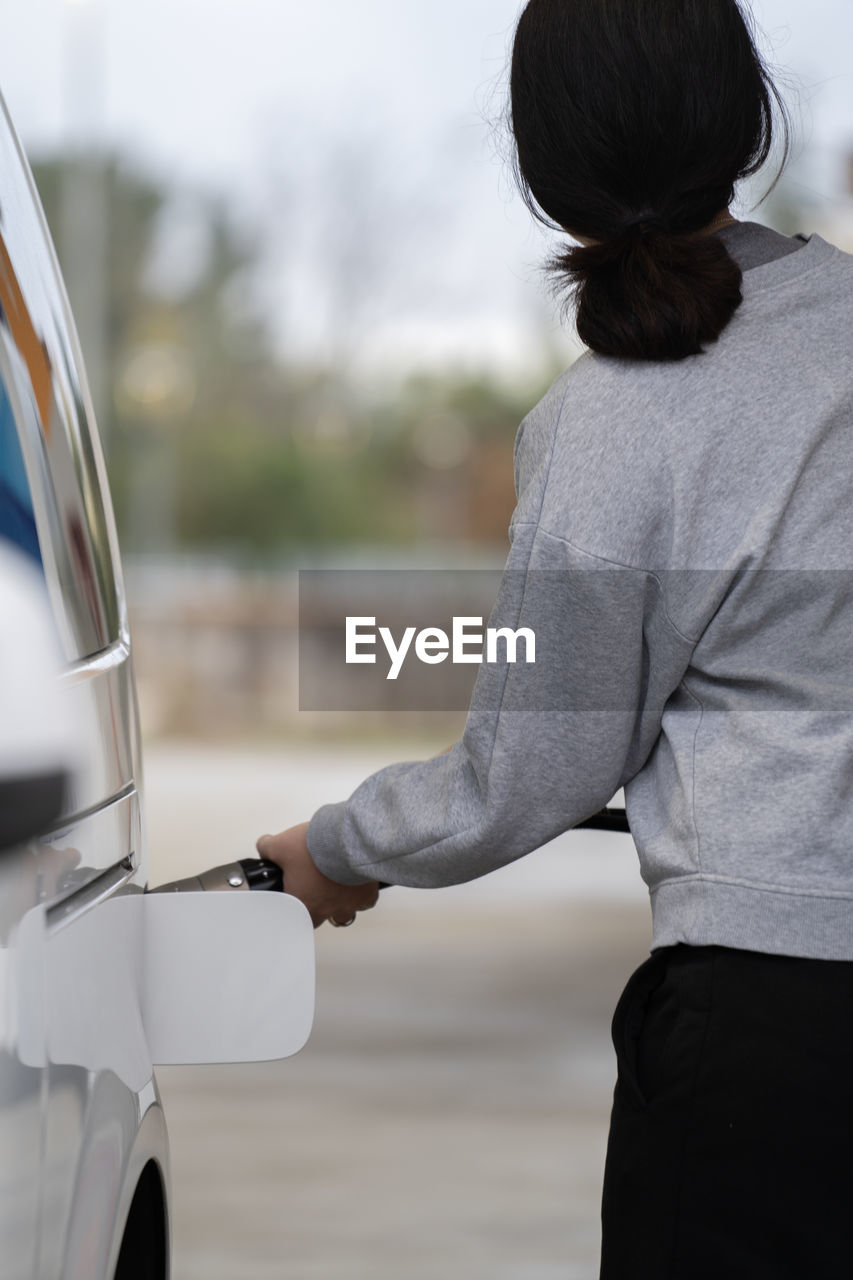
(231, 877)
(260, 873)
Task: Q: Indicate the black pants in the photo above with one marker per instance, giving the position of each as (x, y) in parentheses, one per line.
(731, 1144)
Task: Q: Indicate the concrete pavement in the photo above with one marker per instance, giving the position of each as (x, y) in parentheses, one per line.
(448, 1117)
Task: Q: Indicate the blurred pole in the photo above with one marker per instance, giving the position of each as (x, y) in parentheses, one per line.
(83, 216)
(153, 498)
(155, 391)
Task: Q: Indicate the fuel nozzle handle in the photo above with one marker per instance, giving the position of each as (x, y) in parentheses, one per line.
(231, 877)
(262, 874)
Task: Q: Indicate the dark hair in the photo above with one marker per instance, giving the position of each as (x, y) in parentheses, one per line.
(633, 120)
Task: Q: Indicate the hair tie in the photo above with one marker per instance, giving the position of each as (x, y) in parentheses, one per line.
(641, 220)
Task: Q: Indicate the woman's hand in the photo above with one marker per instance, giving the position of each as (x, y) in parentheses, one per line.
(324, 898)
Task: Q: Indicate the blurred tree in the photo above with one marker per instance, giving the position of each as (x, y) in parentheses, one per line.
(216, 445)
(181, 359)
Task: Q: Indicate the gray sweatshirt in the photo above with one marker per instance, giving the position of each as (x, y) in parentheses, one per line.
(682, 549)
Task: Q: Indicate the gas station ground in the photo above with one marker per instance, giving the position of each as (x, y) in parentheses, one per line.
(448, 1116)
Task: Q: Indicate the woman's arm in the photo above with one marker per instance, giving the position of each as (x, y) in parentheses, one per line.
(545, 745)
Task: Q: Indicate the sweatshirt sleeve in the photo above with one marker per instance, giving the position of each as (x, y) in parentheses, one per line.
(546, 744)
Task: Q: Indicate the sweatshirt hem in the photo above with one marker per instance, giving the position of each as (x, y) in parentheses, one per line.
(702, 912)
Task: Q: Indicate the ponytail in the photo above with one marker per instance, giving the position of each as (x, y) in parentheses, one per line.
(647, 295)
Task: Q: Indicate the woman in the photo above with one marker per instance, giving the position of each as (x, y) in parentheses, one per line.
(681, 549)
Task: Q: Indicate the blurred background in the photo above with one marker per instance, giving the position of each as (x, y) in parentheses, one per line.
(313, 317)
(310, 300)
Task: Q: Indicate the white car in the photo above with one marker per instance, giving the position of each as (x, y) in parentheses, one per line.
(99, 980)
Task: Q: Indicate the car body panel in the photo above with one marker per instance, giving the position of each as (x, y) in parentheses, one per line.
(42, 371)
(101, 698)
(98, 981)
(69, 1134)
(21, 1088)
